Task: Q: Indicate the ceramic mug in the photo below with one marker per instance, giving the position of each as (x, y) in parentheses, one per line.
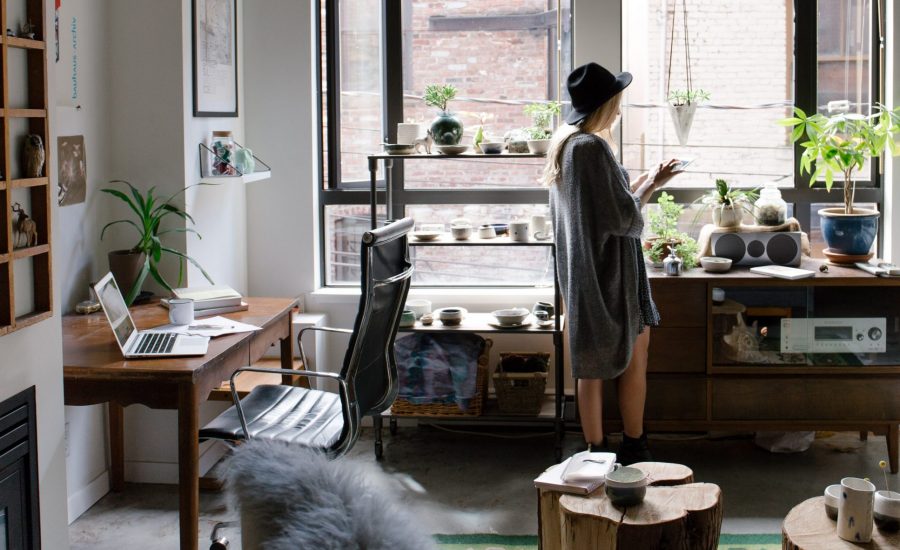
(181, 311)
(856, 510)
(408, 133)
(518, 232)
(538, 225)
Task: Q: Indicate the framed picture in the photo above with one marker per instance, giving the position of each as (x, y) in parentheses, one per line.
(215, 58)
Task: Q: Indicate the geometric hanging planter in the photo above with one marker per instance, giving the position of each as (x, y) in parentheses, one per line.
(683, 118)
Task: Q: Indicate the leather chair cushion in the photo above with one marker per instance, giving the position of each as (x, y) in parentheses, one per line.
(311, 418)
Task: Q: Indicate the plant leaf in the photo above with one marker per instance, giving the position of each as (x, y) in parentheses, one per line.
(138, 283)
(118, 194)
(157, 276)
(131, 223)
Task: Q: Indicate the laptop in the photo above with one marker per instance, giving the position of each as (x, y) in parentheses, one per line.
(142, 343)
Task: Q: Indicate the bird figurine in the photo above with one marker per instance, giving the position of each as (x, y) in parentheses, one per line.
(33, 156)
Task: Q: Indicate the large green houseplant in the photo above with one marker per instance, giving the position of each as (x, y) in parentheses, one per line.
(145, 256)
(836, 146)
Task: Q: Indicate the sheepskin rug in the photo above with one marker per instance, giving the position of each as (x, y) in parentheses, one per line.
(291, 498)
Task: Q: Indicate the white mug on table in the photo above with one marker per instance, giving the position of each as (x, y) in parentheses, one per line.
(181, 311)
(518, 231)
(856, 514)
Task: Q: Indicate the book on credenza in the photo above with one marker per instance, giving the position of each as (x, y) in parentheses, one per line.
(581, 474)
(209, 297)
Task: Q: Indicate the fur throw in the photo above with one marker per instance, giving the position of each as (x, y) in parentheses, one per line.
(293, 497)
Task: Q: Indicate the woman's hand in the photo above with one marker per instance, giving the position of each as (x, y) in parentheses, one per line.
(665, 172)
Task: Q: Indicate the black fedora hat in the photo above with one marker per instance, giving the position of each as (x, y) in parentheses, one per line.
(590, 86)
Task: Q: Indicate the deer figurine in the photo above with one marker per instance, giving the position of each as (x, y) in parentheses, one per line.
(25, 227)
(425, 142)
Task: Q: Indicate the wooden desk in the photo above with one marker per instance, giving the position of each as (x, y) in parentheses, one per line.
(95, 372)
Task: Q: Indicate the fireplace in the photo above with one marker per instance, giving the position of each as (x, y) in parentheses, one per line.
(19, 517)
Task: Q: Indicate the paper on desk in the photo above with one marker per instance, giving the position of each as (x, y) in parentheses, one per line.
(212, 327)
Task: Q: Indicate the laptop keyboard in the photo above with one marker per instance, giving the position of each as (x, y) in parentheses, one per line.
(155, 343)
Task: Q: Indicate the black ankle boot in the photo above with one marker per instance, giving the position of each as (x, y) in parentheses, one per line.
(633, 449)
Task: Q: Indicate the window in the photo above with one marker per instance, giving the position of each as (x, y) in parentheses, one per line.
(378, 58)
(756, 60)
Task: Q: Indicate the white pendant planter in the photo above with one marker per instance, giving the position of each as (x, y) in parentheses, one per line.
(683, 118)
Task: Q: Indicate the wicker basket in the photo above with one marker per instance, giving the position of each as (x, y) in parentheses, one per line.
(521, 393)
(402, 407)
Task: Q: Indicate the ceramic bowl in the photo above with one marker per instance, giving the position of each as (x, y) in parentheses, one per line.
(832, 500)
(538, 146)
(426, 235)
(715, 264)
(626, 486)
(461, 232)
(399, 149)
(407, 318)
(511, 316)
(450, 316)
(491, 147)
(419, 306)
(501, 228)
(452, 149)
(887, 510)
(486, 232)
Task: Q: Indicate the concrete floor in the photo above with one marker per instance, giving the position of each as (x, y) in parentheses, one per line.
(481, 483)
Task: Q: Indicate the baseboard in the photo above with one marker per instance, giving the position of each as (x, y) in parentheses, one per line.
(167, 472)
(83, 499)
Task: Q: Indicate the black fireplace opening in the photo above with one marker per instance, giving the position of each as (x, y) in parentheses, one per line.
(19, 510)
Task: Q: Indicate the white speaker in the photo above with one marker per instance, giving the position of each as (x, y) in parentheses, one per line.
(758, 248)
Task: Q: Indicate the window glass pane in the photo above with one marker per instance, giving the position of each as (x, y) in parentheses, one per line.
(500, 56)
(738, 139)
(344, 226)
(361, 97)
(480, 265)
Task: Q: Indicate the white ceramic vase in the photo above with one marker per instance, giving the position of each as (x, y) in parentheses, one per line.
(683, 118)
(726, 216)
(856, 510)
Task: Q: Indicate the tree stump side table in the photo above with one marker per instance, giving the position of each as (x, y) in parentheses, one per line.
(674, 509)
(806, 527)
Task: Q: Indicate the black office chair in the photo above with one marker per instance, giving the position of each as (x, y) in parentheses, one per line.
(367, 381)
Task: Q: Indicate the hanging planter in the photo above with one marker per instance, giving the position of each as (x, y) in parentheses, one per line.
(682, 102)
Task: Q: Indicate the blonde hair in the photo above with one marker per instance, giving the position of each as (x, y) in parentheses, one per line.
(599, 122)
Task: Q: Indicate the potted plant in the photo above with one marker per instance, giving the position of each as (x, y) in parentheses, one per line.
(664, 226)
(838, 145)
(682, 107)
(131, 267)
(446, 128)
(727, 203)
(540, 131)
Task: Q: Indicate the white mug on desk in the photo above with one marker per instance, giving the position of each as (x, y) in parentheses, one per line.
(181, 311)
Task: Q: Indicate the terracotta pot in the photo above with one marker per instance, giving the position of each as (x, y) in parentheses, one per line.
(666, 249)
(125, 266)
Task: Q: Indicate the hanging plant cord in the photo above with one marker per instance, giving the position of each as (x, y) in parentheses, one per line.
(687, 48)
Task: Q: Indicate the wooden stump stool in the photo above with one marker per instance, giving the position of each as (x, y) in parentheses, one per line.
(806, 527)
(676, 513)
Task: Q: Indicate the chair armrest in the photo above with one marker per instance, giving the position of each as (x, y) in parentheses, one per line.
(237, 400)
(321, 329)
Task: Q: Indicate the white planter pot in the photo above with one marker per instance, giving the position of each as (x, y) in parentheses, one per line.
(856, 510)
(683, 118)
(538, 146)
(727, 216)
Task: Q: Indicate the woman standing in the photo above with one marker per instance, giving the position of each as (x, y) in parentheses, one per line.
(597, 222)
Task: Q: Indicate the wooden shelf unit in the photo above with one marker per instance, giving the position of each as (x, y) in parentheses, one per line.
(26, 268)
(690, 387)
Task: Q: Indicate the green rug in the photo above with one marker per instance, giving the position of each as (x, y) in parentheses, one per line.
(529, 542)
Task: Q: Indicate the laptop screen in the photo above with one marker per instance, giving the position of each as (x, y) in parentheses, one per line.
(114, 306)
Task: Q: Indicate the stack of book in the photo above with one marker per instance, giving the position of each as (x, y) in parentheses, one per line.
(211, 300)
(582, 473)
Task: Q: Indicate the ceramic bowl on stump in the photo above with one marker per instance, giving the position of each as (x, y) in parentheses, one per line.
(626, 486)
(832, 500)
(887, 510)
(715, 264)
(511, 316)
(450, 316)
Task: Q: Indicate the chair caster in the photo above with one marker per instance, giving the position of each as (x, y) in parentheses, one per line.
(220, 543)
(393, 426)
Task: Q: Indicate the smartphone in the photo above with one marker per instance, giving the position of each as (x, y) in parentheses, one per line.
(682, 164)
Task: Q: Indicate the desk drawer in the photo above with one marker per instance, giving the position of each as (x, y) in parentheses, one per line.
(805, 398)
(681, 302)
(677, 350)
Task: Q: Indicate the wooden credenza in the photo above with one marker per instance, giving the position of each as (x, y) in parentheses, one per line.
(698, 382)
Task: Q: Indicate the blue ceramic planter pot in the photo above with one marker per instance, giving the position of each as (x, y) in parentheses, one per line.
(446, 129)
(851, 234)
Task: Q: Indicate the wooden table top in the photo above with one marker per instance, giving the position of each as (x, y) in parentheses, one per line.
(836, 275)
(807, 527)
(90, 350)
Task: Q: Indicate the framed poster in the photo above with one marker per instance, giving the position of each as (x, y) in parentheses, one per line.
(215, 58)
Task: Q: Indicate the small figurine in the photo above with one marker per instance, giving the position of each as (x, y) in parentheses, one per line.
(28, 30)
(33, 156)
(25, 227)
(673, 265)
(425, 142)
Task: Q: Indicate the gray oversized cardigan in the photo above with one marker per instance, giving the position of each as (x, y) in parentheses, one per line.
(597, 222)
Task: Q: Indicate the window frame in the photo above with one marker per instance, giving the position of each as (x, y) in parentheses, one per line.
(333, 191)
